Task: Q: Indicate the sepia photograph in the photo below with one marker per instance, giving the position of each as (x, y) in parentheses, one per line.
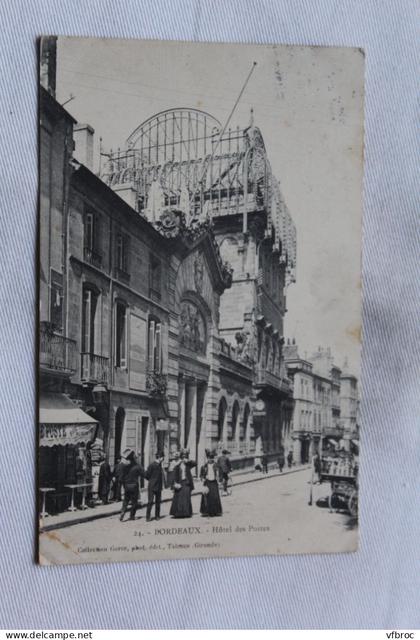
(199, 323)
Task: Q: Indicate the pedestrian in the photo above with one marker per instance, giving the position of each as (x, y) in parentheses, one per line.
(132, 475)
(155, 475)
(316, 464)
(118, 477)
(104, 482)
(210, 500)
(264, 463)
(280, 461)
(290, 459)
(182, 486)
(80, 477)
(224, 468)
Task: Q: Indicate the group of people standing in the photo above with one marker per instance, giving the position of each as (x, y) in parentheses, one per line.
(178, 477)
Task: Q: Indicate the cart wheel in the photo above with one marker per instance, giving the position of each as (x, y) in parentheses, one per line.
(353, 504)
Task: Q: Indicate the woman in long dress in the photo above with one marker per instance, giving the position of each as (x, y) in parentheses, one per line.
(182, 485)
(210, 500)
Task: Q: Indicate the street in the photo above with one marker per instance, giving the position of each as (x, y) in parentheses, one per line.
(263, 517)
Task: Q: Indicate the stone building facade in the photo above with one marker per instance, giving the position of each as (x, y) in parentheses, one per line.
(162, 290)
(183, 158)
(325, 398)
(349, 404)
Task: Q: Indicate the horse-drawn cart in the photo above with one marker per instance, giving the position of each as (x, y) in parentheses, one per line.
(341, 471)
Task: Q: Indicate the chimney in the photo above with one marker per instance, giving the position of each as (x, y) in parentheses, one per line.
(83, 144)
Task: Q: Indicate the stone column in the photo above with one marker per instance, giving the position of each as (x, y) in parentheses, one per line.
(201, 418)
(192, 439)
(181, 392)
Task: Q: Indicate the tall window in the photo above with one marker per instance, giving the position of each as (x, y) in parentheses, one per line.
(120, 335)
(121, 252)
(155, 277)
(90, 224)
(91, 239)
(56, 300)
(89, 313)
(155, 346)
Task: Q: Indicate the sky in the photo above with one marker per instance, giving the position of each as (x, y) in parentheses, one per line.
(308, 103)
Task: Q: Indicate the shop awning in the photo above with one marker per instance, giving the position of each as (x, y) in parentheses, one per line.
(61, 422)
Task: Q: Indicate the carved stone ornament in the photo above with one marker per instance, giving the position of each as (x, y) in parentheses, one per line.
(192, 330)
(199, 272)
(170, 223)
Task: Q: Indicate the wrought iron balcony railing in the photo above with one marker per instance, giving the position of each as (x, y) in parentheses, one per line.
(156, 382)
(91, 256)
(95, 369)
(333, 432)
(273, 380)
(56, 352)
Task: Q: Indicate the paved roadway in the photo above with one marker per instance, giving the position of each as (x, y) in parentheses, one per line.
(266, 516)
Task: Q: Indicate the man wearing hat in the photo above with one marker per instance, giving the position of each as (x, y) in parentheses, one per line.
(225, 467)
(155, 476)
(132, 475)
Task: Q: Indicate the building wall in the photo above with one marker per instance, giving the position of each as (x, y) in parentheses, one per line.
(349, 405)
(55, 153)
(253, 310)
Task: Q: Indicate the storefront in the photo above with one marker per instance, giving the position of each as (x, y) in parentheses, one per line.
(64, 433)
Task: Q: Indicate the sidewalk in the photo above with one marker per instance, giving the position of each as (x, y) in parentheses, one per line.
(69, 518)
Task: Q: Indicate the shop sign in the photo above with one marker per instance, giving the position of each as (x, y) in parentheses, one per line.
(52, 435)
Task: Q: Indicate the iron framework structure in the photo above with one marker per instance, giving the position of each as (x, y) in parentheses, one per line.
(183, 158)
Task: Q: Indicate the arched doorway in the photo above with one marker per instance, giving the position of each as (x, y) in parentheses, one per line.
(119, 430)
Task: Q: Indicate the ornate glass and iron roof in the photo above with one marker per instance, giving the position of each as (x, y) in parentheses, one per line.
(184, 158)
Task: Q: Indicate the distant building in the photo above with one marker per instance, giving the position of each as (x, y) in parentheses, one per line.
(325, 402)
(349, 404)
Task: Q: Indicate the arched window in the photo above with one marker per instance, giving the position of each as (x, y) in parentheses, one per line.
(221, 419)
(235, 418)
(192, 328)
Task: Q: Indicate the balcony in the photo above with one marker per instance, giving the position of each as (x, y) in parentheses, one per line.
(121, 275)
(95, 369)
(156, 383)
(92, 257)
(56, 353)
(333, 432)
(265, 378)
